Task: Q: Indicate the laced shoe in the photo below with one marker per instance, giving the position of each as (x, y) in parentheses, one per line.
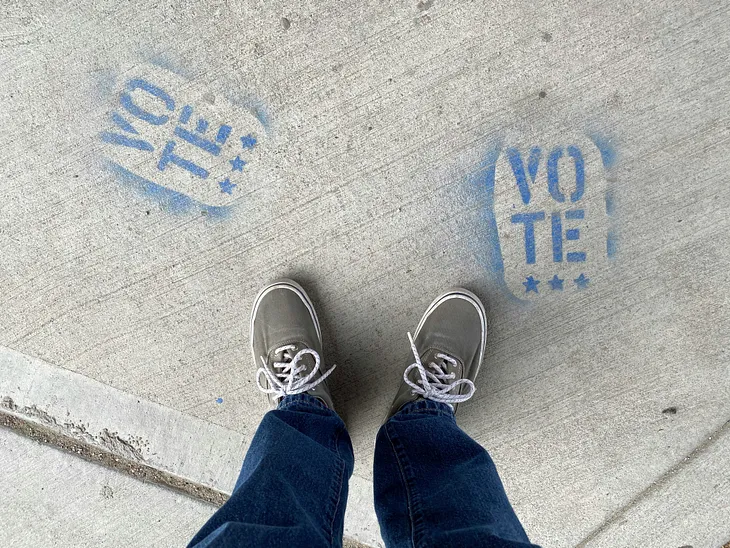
(286, 341)
(448, 349)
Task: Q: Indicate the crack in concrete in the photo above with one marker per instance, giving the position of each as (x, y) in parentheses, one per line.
(107, 457)
(43, 428)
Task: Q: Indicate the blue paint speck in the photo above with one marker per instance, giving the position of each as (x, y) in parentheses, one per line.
(219, 400)
(610, 203)
(611, 244)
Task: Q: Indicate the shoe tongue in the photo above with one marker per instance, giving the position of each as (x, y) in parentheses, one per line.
(430, 356)
(307, 360)
(288, 355)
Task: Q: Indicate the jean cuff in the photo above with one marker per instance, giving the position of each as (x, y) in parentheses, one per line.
(425, 407)
(302, 400)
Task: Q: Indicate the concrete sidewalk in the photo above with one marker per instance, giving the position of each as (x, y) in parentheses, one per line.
(100, 459)
(59, 499)
(565, 161)
(135, 437)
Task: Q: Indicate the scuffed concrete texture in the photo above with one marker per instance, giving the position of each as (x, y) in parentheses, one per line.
(134, 429)
(110, 459)
(105, 439)
(364, 190)
(56, 499)
(150, 476)
(688, 506)
(145, 440)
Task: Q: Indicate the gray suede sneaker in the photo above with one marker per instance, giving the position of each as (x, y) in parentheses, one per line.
(448, 348)
(286, 341)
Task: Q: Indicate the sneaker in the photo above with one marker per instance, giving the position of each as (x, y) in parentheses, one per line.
(448, 348)
(286, 341)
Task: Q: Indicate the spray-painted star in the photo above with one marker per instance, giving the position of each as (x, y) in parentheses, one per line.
(531, 284)
(227, 186)
(556, 283)
(248, 141)
(237, 163)
(582, 281)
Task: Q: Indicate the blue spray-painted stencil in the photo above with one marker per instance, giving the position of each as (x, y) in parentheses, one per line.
(171, 151)
(544, 212)
(168, 199)
(556, 283)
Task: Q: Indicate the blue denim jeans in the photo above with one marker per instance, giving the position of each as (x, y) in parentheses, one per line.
(434, 485)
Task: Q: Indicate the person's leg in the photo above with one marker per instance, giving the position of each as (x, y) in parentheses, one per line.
(292, 489)
(434, 485)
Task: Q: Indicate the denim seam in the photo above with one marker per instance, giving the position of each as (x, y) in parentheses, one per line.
(425, 407)
(410, 503)
(334, 441)
(339, 473)
(432, 412)
(339, 477)
(313, 404)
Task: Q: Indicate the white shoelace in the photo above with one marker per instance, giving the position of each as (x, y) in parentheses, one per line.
(286, 378)
(431, 385)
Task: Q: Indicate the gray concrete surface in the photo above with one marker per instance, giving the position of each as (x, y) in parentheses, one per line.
(687, 505)
(381, 175)
(137, 437)
(61, 500)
